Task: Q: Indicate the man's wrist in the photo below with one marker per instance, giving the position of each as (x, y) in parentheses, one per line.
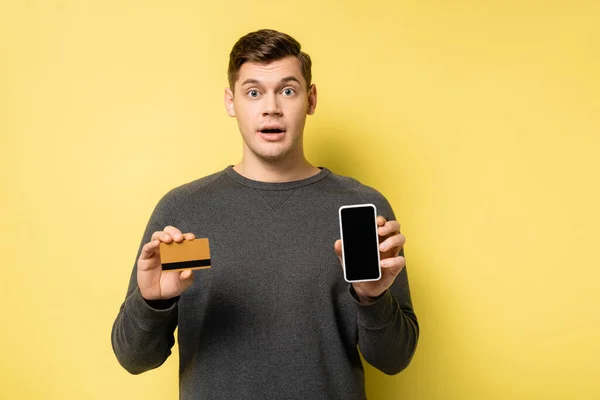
(366, 299)
(362, 298)
(161, 304)
(147, 315)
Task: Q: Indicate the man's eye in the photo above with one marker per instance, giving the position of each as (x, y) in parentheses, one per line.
(253, 93)
(288, 91)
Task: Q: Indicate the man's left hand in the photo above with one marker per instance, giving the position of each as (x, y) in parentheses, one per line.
(391, 242)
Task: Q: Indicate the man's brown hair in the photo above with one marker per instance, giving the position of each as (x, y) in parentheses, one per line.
(265, 46)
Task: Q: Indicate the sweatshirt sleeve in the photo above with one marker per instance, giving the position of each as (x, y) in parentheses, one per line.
(142, 334)
(388, 330)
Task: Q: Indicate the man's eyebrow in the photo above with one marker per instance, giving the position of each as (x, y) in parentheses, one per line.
(290, 79)
(248, 81)
(284, 80)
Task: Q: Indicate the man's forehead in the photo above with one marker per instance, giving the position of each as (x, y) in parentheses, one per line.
(272, 71)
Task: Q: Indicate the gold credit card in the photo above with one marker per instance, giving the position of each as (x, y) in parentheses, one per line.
(189, 254)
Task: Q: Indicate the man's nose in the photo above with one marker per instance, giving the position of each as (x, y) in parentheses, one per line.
(272, 105)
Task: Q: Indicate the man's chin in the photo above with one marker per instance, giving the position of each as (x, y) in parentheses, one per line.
(272, 157)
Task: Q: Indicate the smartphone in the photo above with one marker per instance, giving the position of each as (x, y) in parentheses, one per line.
(360, 243)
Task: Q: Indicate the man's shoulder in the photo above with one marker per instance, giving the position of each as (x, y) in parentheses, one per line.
(200, 185)
(351, 184)
(364, 193)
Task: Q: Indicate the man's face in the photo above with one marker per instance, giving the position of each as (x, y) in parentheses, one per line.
(271, 102)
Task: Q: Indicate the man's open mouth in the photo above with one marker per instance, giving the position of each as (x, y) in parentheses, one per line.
(272, 131)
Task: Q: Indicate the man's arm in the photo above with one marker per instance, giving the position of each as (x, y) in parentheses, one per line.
(142, 334)
(388, 330)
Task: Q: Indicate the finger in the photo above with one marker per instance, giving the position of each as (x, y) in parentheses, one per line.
(337, 246)
(157, 235)
(393, 263)
(185, 274)
(380, 221)
(174, 233)
(396, 241)
(189, 236)
(187, 278)
(388, 228)
(162, 236)
(149, 249)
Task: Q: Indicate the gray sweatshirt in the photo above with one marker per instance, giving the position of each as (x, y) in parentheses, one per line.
(273, 318)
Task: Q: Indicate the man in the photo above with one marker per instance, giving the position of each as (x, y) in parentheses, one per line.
(273, 318)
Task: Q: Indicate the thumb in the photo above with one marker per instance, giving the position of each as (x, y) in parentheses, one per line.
(338, 249)
(186, 278)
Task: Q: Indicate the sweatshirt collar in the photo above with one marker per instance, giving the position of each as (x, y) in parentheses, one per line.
(233, 174)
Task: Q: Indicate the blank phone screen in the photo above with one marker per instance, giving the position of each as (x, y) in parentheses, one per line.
(361, 244)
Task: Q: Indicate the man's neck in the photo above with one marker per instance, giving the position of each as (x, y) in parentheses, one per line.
(281, 171)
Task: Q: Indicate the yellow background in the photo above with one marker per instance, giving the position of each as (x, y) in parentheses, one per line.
(479, 120)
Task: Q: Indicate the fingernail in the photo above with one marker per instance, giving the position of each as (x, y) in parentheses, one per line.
(383, 247)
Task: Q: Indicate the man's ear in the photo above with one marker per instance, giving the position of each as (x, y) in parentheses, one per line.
(228, 99)
(312, 99)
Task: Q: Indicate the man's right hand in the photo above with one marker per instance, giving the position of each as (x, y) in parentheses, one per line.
(154, 283)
